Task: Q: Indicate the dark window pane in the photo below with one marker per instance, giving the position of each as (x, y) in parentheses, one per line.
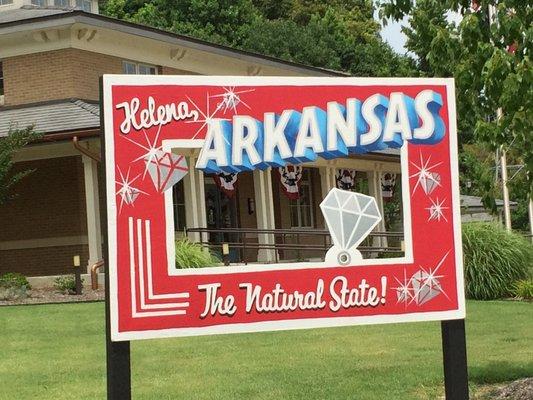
(178, 195)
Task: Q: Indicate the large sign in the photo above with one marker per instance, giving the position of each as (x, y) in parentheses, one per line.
(236, 124)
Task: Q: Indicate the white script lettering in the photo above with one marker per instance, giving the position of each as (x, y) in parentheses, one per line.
(152, 115)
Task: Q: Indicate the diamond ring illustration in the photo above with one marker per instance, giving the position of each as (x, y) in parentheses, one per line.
(350, 217)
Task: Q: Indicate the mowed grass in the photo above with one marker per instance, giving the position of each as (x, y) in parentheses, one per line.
(58, 352)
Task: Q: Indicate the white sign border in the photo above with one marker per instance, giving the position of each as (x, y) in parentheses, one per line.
(288, 324)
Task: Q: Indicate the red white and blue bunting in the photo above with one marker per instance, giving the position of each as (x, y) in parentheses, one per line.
(227, 183)
(345, 179)
(388, 180)
(290, 176)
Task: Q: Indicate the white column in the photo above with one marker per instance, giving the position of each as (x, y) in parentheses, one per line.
(92, 203)
(191, 198)
(333, 177)
(327, 179)
(200, 202)
(374, 187)
(264, 210)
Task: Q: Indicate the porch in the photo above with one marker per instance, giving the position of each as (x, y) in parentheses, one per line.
(56, 214)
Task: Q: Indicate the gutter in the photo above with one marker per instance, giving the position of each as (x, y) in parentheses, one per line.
(84, 150)
(57, 137)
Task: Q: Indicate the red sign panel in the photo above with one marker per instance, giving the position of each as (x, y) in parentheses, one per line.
(241, 124)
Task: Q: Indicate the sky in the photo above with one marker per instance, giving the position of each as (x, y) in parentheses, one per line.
(393, 35)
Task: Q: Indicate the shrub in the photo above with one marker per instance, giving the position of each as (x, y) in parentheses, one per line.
(494, 260)
(193, 255)
(524, 289)
(66, 284)
(13, 286)
(14, 279)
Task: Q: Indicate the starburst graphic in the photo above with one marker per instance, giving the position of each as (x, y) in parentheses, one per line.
(403, 291)
(151, 149)
(422, 287)
(436, 210)
(208, 117)
(427, 179)
(128, 194)
(231, 99)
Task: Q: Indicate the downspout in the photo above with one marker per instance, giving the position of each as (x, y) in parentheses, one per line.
(84, 150)
(94, 274)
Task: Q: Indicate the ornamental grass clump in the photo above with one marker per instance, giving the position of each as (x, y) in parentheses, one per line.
(494, 260)
(523, 289)
(193, 255)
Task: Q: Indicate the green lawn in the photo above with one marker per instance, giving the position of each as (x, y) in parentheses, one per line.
(57, 352)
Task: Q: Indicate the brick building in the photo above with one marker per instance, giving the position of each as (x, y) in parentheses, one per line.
(52, 53)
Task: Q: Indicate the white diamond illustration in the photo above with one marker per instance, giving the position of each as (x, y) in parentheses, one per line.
(430, 181)
(128, 194)
(131, 195)
(350, 217)
(166, 169)
(425, 287)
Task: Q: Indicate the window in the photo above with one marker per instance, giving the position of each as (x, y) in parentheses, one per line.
(147, 70)
(40, 3)
(1, 80)
(62, 3)
(85, 5)
(5, 2)
(302, 209)
(132, 68)
(178, 201)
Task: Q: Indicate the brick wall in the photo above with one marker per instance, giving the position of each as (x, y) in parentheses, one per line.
(42, 261)
(59, 74)
(50, 205)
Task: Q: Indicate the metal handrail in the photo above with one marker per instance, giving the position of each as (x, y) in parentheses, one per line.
(281, 231)
(239, 240)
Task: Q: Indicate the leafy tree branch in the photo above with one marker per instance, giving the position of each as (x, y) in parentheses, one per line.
(15, 140)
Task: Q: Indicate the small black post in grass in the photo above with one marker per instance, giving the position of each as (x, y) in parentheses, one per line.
(225, 253)
(117, 353)
(77, 275)
(454, 357)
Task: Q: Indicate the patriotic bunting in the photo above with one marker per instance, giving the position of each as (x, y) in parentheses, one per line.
(290, 176)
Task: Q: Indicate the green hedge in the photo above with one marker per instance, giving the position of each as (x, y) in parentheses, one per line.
(494, 260)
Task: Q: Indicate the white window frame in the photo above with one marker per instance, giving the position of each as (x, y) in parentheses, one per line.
(298, 207)
(137, 67)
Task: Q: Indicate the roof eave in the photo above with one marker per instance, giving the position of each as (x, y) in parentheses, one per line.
(101, 21)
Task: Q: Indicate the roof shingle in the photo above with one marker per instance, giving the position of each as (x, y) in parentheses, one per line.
(29, 12)
(57, 116)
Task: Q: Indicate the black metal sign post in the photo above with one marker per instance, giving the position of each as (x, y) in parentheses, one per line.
(117, 353)
(454, 357)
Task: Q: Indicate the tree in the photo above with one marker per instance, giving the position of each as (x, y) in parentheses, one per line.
(489, 54)
(15, 140)
(340, 35)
